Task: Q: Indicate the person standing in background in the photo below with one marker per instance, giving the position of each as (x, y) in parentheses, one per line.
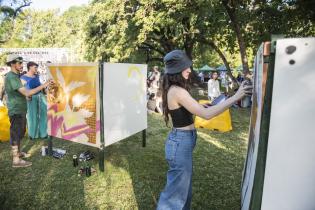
(154, 80)
(36, 104)
(201, 76)
(213, 86)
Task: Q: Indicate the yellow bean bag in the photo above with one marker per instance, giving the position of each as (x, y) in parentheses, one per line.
(222, 122)
(5, 124)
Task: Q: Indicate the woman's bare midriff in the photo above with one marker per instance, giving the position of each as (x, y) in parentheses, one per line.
(188, 127)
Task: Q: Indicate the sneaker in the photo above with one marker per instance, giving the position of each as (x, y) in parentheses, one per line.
(21, 164)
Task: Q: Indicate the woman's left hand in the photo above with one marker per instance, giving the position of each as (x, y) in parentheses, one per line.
(245, 89)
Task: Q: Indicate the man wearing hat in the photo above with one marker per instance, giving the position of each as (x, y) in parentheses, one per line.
(17, 107)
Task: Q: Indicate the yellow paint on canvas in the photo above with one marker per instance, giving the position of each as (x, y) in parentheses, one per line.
(137, 70)
(74, 95)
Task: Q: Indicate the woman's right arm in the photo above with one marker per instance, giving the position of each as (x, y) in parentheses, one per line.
(184, 99)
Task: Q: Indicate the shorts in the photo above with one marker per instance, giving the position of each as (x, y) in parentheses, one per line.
(17, 128)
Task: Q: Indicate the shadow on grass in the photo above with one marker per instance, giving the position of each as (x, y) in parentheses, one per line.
(145, 167)
(48, 184)
(134, 176)
(218, 163)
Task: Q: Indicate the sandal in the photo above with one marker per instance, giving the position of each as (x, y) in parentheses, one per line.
(21, 164)
(24, 155)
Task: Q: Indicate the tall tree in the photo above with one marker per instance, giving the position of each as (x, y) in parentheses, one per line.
(49, 28)
(119, 29)
(128, 26)
(9, 11)
(231, 9)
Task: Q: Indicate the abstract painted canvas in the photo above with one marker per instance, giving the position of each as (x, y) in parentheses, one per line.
(72, 111)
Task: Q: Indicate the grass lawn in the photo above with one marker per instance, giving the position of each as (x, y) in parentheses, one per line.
(134, 176)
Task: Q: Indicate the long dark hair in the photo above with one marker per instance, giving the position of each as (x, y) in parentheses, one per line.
(168, 81)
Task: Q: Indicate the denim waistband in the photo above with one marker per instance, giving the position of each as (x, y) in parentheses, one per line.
(180, 134)
(183, 131)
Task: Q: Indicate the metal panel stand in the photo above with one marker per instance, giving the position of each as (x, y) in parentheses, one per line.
(144, 138)
(102, 139)
(50, 146)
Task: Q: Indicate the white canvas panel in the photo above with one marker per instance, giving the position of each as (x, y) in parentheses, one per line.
(290, 167)
(124, 100)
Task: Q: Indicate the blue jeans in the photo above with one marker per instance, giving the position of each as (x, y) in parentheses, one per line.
(179, 148)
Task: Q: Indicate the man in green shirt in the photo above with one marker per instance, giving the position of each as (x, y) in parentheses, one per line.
(17, 106)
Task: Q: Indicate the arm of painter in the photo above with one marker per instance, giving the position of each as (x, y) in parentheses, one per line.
(24, 83)
(31, 92)
(185, 99)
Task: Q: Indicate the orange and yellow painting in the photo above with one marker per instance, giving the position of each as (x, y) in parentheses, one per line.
(72, 112)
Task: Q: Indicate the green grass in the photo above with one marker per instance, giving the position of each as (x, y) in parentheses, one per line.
(134, 176)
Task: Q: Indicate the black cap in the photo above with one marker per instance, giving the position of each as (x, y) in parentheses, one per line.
(176, 61)
(31, 63)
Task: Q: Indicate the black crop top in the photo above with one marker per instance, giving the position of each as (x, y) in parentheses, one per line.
(181, 117)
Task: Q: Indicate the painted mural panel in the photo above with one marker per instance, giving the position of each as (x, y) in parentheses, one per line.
(254, 131)
(72, 103)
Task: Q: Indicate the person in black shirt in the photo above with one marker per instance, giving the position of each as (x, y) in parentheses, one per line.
(179, 104)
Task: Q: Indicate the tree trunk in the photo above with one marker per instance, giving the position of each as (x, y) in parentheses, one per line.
(236, 26)
(188, 50)
(220, 53)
